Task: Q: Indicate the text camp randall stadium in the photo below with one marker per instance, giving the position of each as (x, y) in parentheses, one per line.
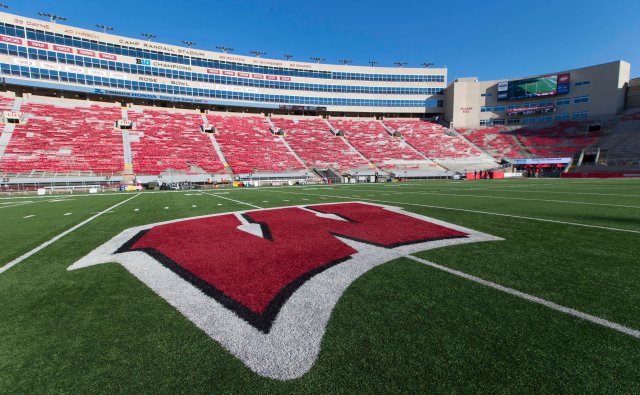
(183, 220)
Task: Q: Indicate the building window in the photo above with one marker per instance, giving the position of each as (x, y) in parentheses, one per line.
(486, 94)
(499, 109)
(513, 121)
(499, 121)
(485, 109)
(485, 122)
(562, 117)
(563, 102)
(581, 99)
(580, 115)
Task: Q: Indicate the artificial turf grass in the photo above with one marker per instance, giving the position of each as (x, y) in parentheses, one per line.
(400, 327)
(148, 367)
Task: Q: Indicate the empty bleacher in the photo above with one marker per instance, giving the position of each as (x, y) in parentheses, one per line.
(64, 136)
(452, 151)
(6, 103)
(385, 151)
(249, 146)
(164, 140)
(499, 141)
(313, 141)
(562, 139)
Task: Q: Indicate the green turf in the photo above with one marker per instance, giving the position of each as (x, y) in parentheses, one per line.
(401, 327)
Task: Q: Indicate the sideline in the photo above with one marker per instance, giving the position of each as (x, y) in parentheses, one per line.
(473, 211)
(546, 303)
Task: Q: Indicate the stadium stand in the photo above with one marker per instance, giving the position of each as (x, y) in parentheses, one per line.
(6, 103)
(562, 139)
(499, 141)
(171, 140)
(314, 142)
(64, 137)
(249, 146)
(622, 146)
(451, 151)
(389, 153)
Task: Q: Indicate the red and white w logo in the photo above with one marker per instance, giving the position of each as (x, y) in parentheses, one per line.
(263, 283)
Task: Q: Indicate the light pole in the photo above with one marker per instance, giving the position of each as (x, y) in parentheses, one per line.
(189, 43)
(400, 64)
(427, 65)
(52, 18)
(345, 61)
(104, 28)
(3, 5)
(257, 53)
(288, 56)
(224, 49)
(317, 60)
(148, 36)
(373, 63)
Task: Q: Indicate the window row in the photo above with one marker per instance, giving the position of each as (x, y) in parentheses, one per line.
(581, 99)
(82, 79)
(54, 38)
(533, 120)
(51, 56)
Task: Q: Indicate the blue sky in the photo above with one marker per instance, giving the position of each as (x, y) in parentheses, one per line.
(488, 39)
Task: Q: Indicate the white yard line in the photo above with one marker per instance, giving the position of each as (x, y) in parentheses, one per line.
(546, 303)
(58, 237)
(17, 204)
(475, 212)
(233, 200)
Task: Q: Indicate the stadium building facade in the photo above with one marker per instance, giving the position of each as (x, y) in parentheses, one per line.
(41, 55)
(595, 92)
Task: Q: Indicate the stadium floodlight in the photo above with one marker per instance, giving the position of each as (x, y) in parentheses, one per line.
(427, 65)
(288, 56)
(3, 5)
(317, 60)
(257, 53)
(104, 28)
(148, 36)
(52, 18)
(372, 63)
(400, 64)
(224, 49)
(189, 43)
(345, 61)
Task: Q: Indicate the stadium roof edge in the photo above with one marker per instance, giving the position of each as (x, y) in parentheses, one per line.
(476, 79)
(180, 50)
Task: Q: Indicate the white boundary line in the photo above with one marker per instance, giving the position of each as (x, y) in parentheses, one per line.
(437, 193)
(58, 237)
(400, 203)
(554, 306)
(502, 189)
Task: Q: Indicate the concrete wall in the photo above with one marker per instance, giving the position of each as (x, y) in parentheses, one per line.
(633, 94)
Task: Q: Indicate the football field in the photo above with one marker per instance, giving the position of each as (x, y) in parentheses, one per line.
(545, 299)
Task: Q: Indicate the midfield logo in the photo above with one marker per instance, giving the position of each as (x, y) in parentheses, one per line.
(263, 283)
